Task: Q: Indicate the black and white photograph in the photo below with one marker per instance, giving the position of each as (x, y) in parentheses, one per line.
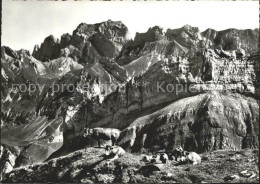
(126, 91)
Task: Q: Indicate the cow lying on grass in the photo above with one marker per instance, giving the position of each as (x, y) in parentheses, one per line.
(114, 152)
(185, 156)
(157, 158)
(193, 157)
(102, 134)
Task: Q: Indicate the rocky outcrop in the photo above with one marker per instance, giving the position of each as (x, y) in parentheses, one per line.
(185, 39)
(107, 38)
(65, 40)
(153, 34)
(133, 49)
(114, 69)
(59, 67)
(49, 49)
(8, 157)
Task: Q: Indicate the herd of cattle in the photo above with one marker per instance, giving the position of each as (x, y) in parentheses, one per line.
(114, 151)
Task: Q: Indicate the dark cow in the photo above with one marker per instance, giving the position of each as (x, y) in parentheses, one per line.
(102, 134)
(164, 158)
(177, 153)
(185, 156)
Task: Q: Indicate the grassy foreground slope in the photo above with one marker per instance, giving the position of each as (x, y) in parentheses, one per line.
(88, 165)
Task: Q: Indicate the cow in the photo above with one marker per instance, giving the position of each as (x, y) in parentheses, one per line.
(185, 156)
(147, 158)
(157, 158)
(114, 152)
(177, 154)
(102, 134)
(164, 158)
(181, 159)
(192, 157)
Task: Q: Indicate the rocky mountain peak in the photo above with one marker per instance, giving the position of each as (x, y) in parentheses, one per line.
(106, 28)
(49, 49)
(105, 39)
(65, 40)
(186, 34)
(190, 28)
(153, 34)
(9, 52)
(84, 28)
(51, 39)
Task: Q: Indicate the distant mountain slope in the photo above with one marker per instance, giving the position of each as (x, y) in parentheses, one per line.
(200, 123)
(41, 137)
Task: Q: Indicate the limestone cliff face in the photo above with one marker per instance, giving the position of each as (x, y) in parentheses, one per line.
(234, 39)
(174, 78)
(219, 66)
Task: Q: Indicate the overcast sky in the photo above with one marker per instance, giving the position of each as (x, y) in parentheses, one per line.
(26, 23)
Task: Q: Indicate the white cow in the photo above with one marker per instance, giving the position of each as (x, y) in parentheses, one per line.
(114, 152)
(193, 157)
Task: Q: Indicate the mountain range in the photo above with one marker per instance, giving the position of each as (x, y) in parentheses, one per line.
(182, 87)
